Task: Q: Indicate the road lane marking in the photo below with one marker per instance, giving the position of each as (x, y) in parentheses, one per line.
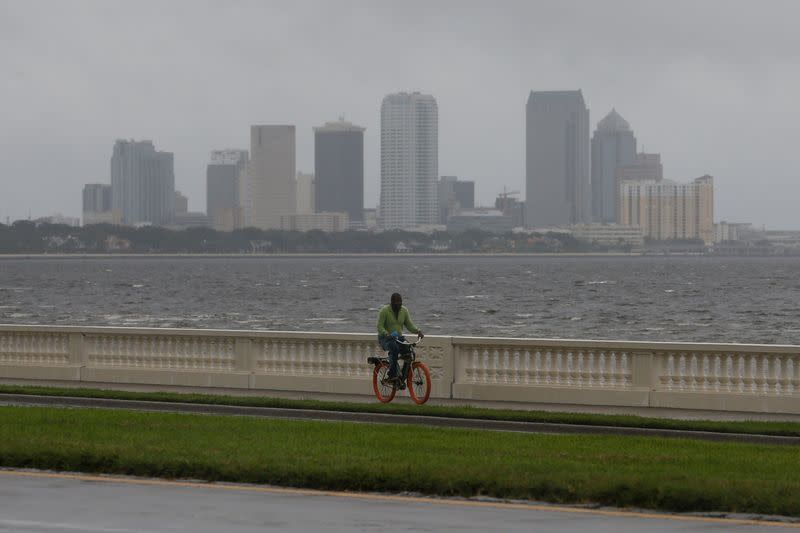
(393, 498)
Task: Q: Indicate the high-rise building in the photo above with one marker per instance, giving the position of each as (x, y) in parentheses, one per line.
(142, 183)
(613, 147)
(557, 159)
(223, 179)
(339, 169)
(668, 210)
(181, 202)
(306, 196)
(453, 196)
(644, 167)
(96, 197)
(409, 160)
(271, 187)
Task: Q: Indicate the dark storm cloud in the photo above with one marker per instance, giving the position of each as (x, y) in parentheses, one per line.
(711, 85)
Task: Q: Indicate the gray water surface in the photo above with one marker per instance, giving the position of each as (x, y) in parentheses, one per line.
(701, 299)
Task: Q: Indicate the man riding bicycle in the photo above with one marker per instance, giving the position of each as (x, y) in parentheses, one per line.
(391, 320)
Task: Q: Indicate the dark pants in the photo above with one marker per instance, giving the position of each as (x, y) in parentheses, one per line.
(395, 349)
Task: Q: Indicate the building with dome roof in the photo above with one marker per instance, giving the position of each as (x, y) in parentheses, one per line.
(613, 147)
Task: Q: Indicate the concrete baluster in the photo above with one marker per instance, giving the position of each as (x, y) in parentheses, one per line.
(790, 376)
(590, 369)
(517, 377)
(753, 374)
(548, 367)
(765, 374)
(537, 367)
(601, 369)
(581, 376)
(506, 366)
(614, 381)
(777, 370)
(670, 372)
(473, 370)
(729, 373)
(682, 372)
(527, 375)
(569, 369)
(693, 372)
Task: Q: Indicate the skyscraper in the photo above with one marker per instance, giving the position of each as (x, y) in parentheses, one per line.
(97, 204)
(409, 160)
(339, 169)
(271, 184)
(613, 147)
(142, 183)
(223, 178)
(558, 160)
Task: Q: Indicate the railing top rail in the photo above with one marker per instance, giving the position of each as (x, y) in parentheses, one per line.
(640, 346)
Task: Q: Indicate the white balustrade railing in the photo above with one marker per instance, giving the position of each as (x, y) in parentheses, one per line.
(707, 376)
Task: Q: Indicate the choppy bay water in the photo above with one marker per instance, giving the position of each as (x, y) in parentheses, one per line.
(630, 298)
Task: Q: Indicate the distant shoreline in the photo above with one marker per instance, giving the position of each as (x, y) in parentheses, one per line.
(35, 256)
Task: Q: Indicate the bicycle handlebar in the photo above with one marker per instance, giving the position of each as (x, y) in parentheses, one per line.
(415, 343)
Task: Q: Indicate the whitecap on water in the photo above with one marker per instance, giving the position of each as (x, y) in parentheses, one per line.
(137, 285)
(474, 296)
(523, 315)
(603, 282)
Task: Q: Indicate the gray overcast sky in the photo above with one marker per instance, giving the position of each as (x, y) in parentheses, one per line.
(713, 86)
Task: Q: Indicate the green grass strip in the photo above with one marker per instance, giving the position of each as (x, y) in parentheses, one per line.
(667, 474)
(791, 429)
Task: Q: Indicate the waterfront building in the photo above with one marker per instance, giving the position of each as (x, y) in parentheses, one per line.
(223, 178)
(339, 169)
(669, 210)
(306, 197)
(142, 183)
(453, 196)
(557, 159)
(644, 167)
(409, 160)
(190, 219)
(609, 234)
(613, 147)
(271, 188)
(325, 221)
(491, 220)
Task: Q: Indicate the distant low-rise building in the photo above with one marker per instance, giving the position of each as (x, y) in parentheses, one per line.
(730, 231)
(191, 219)
(610, 234)
(58, 218)
(327, 222)
(491, 220)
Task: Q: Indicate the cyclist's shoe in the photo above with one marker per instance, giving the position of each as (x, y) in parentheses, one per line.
(401, 384)
(391, 381)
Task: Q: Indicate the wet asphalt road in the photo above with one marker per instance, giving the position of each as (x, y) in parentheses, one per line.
(37, 502)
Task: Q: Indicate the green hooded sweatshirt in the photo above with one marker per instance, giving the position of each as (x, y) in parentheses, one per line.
(389, 322)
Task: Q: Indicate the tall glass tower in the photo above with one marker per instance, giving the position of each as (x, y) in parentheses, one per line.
(409, 160)
(557, 159)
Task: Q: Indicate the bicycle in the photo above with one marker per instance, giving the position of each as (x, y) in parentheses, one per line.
(415, 373)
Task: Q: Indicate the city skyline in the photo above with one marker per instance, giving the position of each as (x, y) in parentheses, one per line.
(702, 83)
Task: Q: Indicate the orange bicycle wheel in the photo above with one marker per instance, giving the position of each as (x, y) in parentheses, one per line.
(419, 383)
(383, 392)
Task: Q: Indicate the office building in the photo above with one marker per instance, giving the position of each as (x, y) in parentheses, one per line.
(644, 167)
(557, 159)
(271, 188)
(613, 147)
(306, 203)
(454, 195)
(668, 210)
(142, 183)
(339, 169)
(409, 160)
(181, 203)
(223, 179)
(97, 205)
